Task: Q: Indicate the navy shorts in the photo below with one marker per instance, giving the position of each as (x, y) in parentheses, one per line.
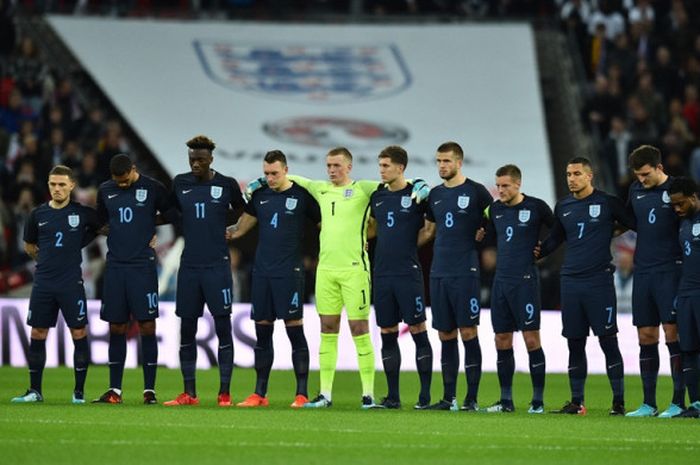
(588, 302)
(197, 286)
(399, 298)
(277, 298)
(515, 305)
(455, 302)
(652, 297)
(130, 291)
(46, 301)
(689, 323)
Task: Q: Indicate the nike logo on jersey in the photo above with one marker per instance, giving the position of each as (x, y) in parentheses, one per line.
(263, 202)
(609, 326)
(437, 202)
(111, 196)
(43, 223)
(567, 214)
(641, 196)
(378, 203)
(187, 191)
(499, 216)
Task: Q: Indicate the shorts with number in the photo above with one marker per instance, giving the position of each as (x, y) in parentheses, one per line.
(197, 286)
(399, 298)
(129, 291)
(455, 302)
(276, 298)
(588, 302)
(688, 308)
(653, 295)
(515, 305)
(346, 288)
(46, 301)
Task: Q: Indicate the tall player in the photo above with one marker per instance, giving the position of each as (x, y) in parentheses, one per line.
(398, 277)
(586, 220)
(204, 198)
(657, 267)
(280, 210)
(684, 198)
(456, 210)
(129, 204)
(517, 220)
(54, 236)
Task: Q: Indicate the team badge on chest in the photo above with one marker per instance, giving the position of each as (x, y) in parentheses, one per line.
(348, 193)
(405, 201)
(696, 229)
(594, 210)
(463, 201)
(524, 216)
(290, 203)
(73, 220)
(665, 197)
(141, 195)
(216, 192)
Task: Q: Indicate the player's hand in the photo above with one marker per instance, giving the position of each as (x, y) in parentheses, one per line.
(253, 186)
(231, 232)
(154, 242)
(420, 191)
(537, 252)
(480, 234)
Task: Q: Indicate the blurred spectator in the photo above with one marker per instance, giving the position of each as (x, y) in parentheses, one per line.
(616, 149)
(652, 100)
(691, 109)
(665, 74)
(30, 73)
(600, 107)
(12, 116)
(623, 251)
(612, 19)
(88, 175)
(26, 202)
(488, 272)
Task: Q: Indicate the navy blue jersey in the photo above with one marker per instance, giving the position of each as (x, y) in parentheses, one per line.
(517, 230)
(398, 220)
(587, 226)
(204, 208)
(131, 215)
(657, 228)
(281, 219)
(457, 213)
(60, 234)
(689, 240)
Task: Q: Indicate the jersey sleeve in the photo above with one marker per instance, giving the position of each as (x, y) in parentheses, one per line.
(165, 205)
(31, 230)
(429, 211)
(174, 201)
(313, 211)
(249, 207)
(368, 187)
(622, 214)
(237, 202)
(490, 227)
(306, 183)
(556, 236)
(92, 225)
(102, 214)
(371, 205)
(546, 214)
(485, 201)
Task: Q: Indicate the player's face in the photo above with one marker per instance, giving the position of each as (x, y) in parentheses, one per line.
(389, 171)
(275, 173)
(508, 188)
(649, 176)
(200, 161)
(125, 180)
(338, 168)
(682, 205)
(448, 165)
(578, 177)
(60, 187)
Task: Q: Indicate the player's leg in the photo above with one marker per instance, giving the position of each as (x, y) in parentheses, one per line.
(387, 313)
(149, 349)
(446, 325)
(665, 298)
(73, 305)
(526, 301)
(222, 325)
(504, 323)
(689, 337)
(537, 369)
(300, 360)
(464, 294)
(355, 289)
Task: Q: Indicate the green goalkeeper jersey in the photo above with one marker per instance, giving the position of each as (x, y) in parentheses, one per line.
(344, 212)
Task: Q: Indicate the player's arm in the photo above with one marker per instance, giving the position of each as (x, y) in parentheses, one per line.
(556, 236)
(245, 223)
(367, 186)
(92, 226)
(237, 203)
(622, 215)
(426, 233)
(32, 250)
(167, 209)
(31, 236)
(487, 233)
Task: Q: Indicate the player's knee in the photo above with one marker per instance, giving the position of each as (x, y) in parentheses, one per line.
(78, 333)
(504, 341)
(417, 328)
(147, 327)
(358, 327)
(468, 333)
(39, 333)
(118, 328)
(532, 340)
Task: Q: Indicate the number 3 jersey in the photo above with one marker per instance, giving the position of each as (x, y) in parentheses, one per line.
(204, 208)
(689, 240)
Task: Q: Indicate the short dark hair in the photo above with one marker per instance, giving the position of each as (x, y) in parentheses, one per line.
(201, 142)
(453, 147)
(275, 155)
(645, 155)
(510, 170)
(120, 164)
(62, 170)
(682, 185)
(396, 154)
(581, 161)
(340, 151)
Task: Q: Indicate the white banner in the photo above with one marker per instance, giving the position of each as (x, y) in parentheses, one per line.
(307, 88)
(14, 337)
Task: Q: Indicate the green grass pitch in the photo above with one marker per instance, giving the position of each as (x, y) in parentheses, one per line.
(57, 432)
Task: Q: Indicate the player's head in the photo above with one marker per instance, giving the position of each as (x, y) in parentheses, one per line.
(123, 170)
(684, 196)
(508, 180)
(339, 165)
(61, 183)
(200, 150)
(275, 168)
(449, 158)
(392, 163)
(579, 174)
(645, 162)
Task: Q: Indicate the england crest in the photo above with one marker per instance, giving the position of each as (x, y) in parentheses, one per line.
(463, 201)
(305, 72)
(696, 229)
(290, 203)
(594, 210)
(665, 197)
(348, 193)
(141, 195)
(73, 220)
(524, 216)
(216, 192)
(405, 201)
